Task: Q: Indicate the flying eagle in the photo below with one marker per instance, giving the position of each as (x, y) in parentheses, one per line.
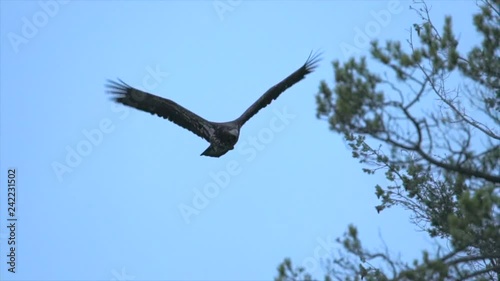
(221, 136)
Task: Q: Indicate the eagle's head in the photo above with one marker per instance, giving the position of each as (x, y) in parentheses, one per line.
(224, 140)
(233, 135)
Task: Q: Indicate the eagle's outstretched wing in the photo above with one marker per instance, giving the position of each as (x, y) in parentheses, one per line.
(279, 88)
(160, 106)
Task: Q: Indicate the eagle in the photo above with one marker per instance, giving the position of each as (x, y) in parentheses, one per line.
(221, 136)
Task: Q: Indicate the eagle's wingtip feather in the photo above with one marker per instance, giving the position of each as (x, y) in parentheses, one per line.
(116, 88)
(313, 60)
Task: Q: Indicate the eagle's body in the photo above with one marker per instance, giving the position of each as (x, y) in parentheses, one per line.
(223, 139)
(221, 136)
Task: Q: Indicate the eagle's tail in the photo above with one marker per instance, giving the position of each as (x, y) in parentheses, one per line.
(214, 151)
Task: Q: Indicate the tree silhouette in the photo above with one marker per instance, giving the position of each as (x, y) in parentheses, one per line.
(431, 124)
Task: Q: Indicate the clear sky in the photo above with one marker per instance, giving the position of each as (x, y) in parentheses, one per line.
(105, 192)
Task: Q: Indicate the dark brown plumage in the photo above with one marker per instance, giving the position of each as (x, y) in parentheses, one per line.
(221, 136)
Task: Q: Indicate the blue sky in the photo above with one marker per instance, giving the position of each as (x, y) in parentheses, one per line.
(101, 186)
